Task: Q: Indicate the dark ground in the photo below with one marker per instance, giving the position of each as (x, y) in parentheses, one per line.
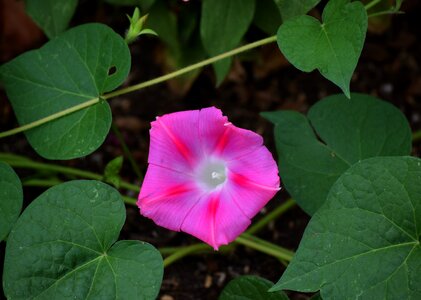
(390, 68)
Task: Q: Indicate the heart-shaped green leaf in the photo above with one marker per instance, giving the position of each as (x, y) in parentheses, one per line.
(350, 130)
(222, 26)
(333, 47)
(11, 197)
(250, 288)
(53, 16)
(365, 241)
(63, 247)
(79, 65)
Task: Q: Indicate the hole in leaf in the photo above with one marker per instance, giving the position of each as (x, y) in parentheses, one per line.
(112, 70)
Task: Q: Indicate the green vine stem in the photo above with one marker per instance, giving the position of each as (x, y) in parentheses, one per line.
(52, 182)
(371, 4)
(16, 161)
(184, 251)
(244, 239)
(177, 253)
(138, 86)
(157, 80)
(265, 247)
(271, 216)
(49, 118)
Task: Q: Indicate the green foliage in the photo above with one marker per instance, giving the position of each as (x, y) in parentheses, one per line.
(267, 17)
(181, 36)
(81, 64)
(164, 23)
(112, 171)
(64, 247)
(365, 241)
(11, 198)
(222, 26)
(136, 27)
(332, 47)
(294, 8)
(270, 14)
(250, 288)
(53, 16)
(350, 130)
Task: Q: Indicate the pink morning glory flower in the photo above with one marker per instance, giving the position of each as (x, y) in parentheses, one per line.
(206, 177)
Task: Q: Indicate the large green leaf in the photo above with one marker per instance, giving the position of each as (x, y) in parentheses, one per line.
(250, 288)
(333, 47)
(79, 65)
(53, 16)
(11, 197)
(364, 243)
(294, 8)
(350, 130)
(223, 24)
(64, 247)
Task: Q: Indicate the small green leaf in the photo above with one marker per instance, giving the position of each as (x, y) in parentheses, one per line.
(77, 66)
(11, 197)
(64, 247)
(364, 242)
(148, 31)
(294, 8)
(112, 171)
(250, 288)
(332, 47)
(222, 26)
(53, 16)
(136, 27)
(350, 130)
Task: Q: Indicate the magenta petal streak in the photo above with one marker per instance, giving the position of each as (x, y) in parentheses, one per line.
(206, 177)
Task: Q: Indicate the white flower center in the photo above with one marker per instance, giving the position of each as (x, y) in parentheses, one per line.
(212, 174)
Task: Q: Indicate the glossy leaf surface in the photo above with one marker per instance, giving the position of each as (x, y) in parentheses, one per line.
(365, 241)
(79, 65)
(64, 247)
(333, 46)
(349, 131)
(53, 16)
(11, 198)
(250, 288)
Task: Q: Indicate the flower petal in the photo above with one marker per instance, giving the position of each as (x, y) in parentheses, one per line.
(192, 147)
(221, 138)
(215, 219)
(252, 180)
(166, 196)
(211, 127)
(175, 142)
